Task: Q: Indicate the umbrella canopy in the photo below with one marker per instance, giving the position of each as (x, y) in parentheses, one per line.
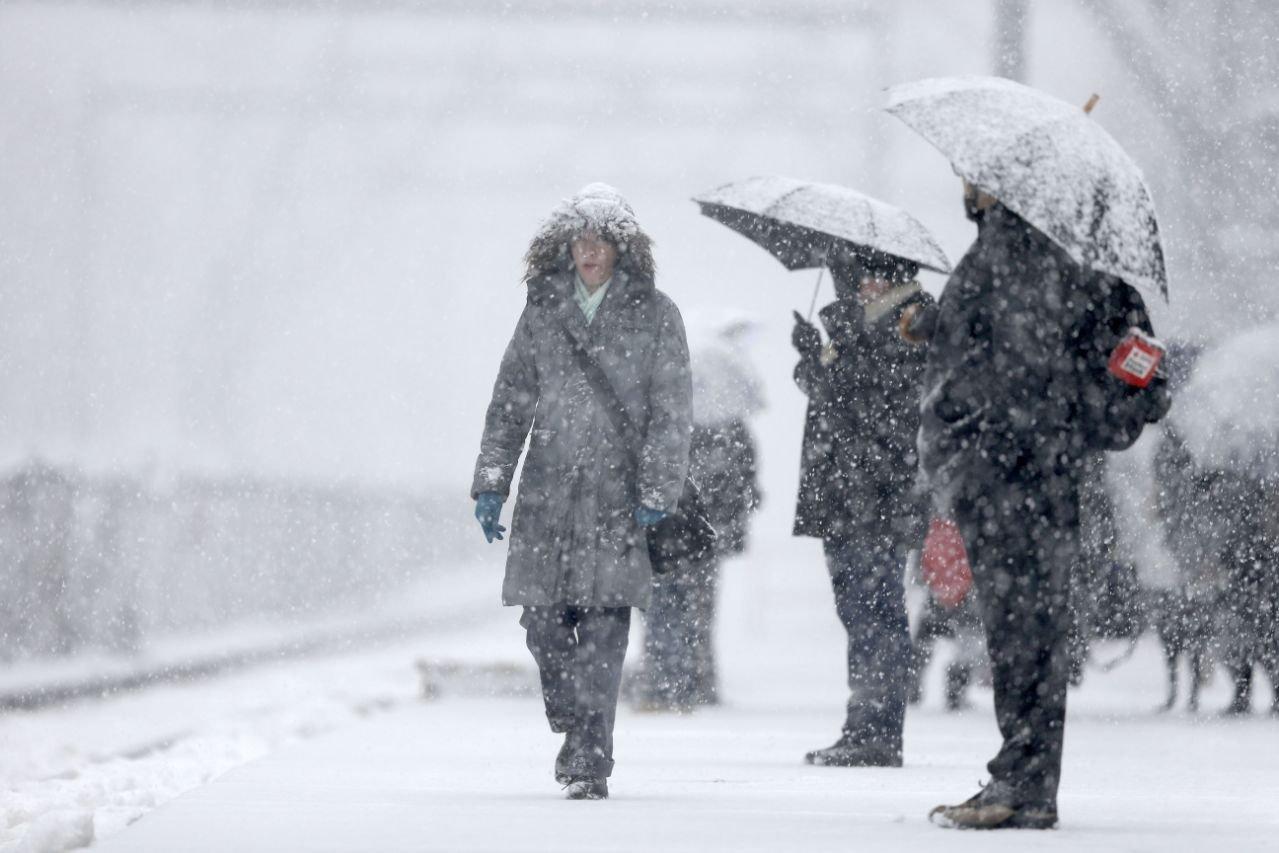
(1048, 162)
(1229, 409)
(803, 223)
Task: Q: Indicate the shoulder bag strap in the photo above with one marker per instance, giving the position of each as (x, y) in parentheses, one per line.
(605, 393)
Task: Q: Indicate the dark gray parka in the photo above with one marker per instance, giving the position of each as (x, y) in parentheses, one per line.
(574, 539)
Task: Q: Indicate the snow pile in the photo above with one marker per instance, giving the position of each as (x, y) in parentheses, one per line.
(84, 772)
(1048, 161)
(59, 830)
(1229, 410)
(822, 209)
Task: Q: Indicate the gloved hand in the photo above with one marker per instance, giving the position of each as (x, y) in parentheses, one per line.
(805, 338)
(646, 516)
(1160, 399)
(488, 509)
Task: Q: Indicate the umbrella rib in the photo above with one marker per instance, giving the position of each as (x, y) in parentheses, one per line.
(781, 198)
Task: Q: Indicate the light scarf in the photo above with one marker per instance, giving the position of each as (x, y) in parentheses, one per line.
(587, 301)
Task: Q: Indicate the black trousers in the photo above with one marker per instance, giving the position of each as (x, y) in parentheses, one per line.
(579, 653)
(1021, 528)
(870, 598)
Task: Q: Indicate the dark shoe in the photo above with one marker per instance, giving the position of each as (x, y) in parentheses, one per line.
(587, 788)
(994, 807)
(846, 753)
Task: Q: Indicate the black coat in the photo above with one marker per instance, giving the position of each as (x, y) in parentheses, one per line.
(1017, 375)
(857, 468)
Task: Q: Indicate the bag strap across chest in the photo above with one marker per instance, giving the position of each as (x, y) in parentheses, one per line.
(605, 393)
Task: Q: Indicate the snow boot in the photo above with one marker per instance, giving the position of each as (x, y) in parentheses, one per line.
(587, 788)
(994, 807)
(846, 752)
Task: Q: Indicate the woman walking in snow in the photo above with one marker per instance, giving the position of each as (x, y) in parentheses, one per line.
(578, 559)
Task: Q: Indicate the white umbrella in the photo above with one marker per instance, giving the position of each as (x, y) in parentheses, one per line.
(802, 223)
(1048, 162)
(1228, 411)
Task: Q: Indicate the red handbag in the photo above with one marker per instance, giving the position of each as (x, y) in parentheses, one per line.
(945, 563)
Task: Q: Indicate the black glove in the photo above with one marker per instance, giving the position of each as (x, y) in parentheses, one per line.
(1160, 400)
(805, 338)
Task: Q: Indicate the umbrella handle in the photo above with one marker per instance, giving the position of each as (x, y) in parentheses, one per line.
(813, 306)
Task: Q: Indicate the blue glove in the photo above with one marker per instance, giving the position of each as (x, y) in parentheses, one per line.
(488, 509)
(646, 516)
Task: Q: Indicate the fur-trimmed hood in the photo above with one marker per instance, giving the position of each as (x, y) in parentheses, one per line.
(596, 207)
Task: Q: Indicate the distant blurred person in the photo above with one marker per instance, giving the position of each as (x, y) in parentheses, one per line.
(961, 625)
(1185, 612)
(678, 671)
(857, 488)
(578, 559)
(1248, 510)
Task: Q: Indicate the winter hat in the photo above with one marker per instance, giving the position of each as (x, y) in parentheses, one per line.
(599, 208)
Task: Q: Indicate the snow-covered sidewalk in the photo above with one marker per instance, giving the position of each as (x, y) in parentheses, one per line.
(467, 772)
(474, 774)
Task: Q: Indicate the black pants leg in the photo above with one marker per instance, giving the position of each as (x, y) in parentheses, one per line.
(1022, 540)
(579, 653)
(870, 598)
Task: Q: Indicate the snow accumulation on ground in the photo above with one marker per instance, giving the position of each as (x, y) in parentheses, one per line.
(343, 754)
(87, 769)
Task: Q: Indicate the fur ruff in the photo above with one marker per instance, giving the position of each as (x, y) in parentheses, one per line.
(598, 208)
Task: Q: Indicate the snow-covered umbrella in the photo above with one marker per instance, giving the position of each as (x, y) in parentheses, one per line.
(1228, 411)
(1049, 162)
(802, 223)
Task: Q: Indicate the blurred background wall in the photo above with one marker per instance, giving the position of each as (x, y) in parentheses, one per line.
(275, 246)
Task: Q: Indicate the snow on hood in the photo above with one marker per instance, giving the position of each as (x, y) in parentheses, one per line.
(596, 207)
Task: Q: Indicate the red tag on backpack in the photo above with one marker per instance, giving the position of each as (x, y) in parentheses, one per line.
(1136, 358)
(945, 563)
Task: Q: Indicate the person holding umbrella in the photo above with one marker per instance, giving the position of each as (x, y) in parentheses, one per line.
(578, 559)
(858, 461)
(857, 488)
(1022, 385)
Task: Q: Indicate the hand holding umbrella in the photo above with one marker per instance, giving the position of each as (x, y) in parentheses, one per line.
(805, 338)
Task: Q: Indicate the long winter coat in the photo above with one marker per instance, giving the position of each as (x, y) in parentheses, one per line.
(858, 464)
(574, 539)
(1017, 375)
